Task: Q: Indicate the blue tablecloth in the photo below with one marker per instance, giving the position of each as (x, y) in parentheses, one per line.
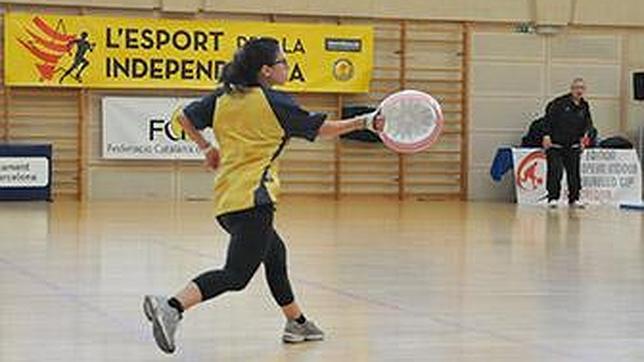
(502, 163)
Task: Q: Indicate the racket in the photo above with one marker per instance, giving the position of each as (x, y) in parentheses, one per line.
(413, 121)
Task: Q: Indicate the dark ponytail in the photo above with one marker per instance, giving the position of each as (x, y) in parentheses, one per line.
(243, 71)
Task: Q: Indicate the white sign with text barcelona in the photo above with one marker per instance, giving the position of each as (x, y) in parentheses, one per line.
(608, 176)
(140, 128)
(20, 172)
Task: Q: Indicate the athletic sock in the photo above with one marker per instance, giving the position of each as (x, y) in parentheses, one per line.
(176, 304)
(301, 319)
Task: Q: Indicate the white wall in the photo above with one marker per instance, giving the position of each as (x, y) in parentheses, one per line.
(579, 12)
(515, 75)
(635, 109)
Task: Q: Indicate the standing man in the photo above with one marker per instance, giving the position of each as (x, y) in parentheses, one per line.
(567, 124)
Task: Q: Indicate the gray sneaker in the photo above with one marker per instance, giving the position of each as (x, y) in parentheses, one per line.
(296, 333)
(165, 321)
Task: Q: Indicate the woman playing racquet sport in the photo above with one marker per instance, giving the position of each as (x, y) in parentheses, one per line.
(252, 123)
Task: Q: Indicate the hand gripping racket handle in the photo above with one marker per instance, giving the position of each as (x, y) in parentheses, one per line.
(369, 120)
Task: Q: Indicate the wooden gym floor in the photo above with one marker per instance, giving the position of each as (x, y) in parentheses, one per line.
(388, 281)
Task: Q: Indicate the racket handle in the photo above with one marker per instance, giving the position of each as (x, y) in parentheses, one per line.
(369, 120)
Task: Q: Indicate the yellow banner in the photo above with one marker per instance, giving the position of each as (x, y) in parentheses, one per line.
(103, 52)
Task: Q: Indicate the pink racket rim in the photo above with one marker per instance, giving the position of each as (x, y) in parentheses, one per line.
(424, 143)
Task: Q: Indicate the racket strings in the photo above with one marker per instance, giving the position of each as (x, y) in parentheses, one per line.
(411, 120)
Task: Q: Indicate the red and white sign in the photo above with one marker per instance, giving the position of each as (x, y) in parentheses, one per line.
(608, 176)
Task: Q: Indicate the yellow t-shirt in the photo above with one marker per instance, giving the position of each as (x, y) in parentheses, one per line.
(251, 128)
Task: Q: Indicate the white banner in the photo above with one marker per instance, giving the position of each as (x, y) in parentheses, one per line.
(24, 172)
(136, 128)
(608, 176)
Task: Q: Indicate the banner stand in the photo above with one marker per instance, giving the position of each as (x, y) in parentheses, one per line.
(608, 176)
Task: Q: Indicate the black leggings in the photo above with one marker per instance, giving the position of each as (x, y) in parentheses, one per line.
(253, 241)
